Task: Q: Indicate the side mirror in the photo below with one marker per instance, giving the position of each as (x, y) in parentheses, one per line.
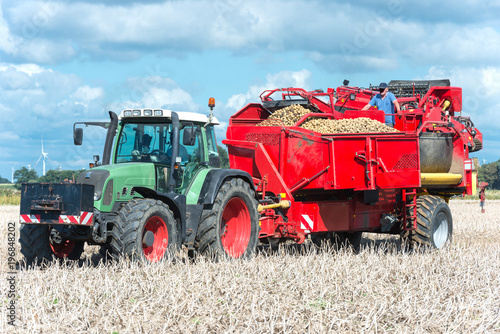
(214, 161)
(189, 136)
(78, 136)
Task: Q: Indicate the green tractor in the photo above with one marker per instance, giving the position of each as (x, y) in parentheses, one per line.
(159, 187)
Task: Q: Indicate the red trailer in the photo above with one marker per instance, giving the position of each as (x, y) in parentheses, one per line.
(340, 185)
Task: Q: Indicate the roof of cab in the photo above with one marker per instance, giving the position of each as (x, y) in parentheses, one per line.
(166, 113)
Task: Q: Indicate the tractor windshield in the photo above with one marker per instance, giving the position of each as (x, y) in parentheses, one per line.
(152, 142)
(140, 142)
(149, 142)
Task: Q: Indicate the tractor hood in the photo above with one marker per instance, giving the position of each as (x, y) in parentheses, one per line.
(114, 183)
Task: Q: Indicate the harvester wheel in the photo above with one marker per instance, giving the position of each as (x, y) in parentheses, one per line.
(231, 228)
(145, 230)
(434, 224)
(40, 246)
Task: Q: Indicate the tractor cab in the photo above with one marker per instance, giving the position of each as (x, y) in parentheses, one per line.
(148, 136)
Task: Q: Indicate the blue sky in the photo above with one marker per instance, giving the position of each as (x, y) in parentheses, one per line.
(68, 61)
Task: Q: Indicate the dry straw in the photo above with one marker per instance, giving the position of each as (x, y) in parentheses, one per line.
(295, 290)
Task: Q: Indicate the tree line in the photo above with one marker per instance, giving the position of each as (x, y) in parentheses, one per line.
(25, 175)
(490, 173)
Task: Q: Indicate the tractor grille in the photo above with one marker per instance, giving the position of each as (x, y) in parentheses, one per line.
(264, 138)
(407, 161)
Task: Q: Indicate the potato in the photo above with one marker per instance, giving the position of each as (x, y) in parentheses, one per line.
(290, 115)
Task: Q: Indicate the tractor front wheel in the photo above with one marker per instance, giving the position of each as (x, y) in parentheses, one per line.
(434, 224)
(230, 229)
(40, 244)
(145, 230)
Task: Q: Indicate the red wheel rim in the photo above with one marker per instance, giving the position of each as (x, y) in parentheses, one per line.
(156, 251)
(63, 250)
(235, 227)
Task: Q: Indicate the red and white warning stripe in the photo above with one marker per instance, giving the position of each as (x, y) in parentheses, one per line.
(86, 218)
(29, 219)
(67, 219)
(306, 223)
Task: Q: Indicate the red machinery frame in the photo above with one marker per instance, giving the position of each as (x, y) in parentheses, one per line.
(344, 182)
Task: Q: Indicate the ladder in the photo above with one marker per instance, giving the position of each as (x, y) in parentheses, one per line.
(410, 209)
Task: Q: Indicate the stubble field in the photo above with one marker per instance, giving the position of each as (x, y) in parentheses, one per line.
(296, 290)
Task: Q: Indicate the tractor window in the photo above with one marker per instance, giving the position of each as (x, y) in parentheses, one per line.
(211, 142)
(195, 154)
(139, 142)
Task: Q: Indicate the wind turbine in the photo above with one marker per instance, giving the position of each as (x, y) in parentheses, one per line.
(44, 155)
(13, 167)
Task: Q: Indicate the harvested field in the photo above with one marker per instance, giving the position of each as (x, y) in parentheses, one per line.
(296, 290)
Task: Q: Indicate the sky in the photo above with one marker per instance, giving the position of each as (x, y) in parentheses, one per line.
(63, 62)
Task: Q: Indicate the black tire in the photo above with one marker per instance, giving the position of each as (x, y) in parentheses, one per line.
(105, 253)
(434, 224)
(130, 237)
(38, 247)
(235, 200)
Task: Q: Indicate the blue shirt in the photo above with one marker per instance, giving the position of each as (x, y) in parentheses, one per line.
(386, 104)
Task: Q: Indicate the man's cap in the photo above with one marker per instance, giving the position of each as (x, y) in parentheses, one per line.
(382, 85)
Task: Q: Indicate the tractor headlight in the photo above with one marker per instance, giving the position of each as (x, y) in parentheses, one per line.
(97, 195)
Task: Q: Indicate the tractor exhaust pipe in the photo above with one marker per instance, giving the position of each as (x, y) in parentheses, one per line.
(175, 152)
(113, 125)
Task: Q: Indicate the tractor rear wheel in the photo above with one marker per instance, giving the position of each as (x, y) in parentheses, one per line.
(40, 244)
(145, 230)
(231, 228)
(434, 224)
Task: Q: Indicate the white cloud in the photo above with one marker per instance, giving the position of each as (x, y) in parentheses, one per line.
(154, 92)
(337, 35)
(9, 137)
(86, 93)
(481, 100)
(285, 79)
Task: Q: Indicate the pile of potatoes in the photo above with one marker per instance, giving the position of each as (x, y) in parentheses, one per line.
(290, 115)
(346, 125)
(286, 116)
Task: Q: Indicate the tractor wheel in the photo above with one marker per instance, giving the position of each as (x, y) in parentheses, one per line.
(434, 224)
(40, 244)
(145, 230)
(231, 228)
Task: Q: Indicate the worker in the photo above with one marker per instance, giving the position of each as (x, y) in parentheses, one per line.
(146, 143)
(385, 101)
